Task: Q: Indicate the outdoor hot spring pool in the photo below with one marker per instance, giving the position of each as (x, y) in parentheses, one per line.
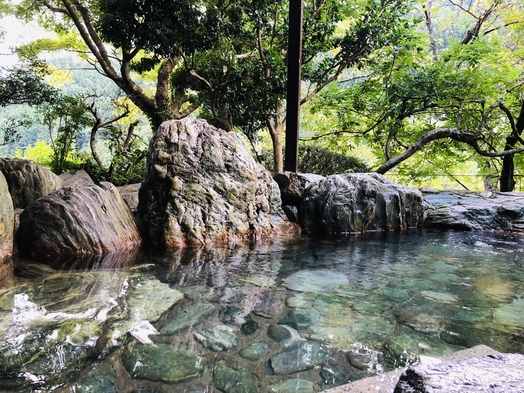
(322, 311)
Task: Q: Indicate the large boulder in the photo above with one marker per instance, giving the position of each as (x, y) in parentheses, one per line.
(27, 180)
(202, 186)
(464, 210)
(498, 373)
(77, 220)
(6, 229)
(359, 202)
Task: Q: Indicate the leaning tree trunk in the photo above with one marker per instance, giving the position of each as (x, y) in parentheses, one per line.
(507, 174)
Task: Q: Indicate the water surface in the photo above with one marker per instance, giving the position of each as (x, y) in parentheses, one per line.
(304, 315)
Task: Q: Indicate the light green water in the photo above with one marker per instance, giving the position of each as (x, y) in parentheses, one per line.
(301, 316)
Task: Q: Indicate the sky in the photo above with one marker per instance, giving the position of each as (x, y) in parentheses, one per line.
(16, 33)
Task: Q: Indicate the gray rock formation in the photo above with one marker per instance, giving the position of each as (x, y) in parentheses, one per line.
(77, 220)
(6, 229)
(293, 185)
(69, 178)
(359, 202)
(475, 211)
(27, 180)
(499, 373)
(202, 186)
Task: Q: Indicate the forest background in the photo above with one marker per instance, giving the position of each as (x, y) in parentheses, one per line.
(429, 93)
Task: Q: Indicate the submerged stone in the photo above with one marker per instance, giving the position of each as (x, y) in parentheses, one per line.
(292, 386)
(230, 380)
(299, 357)
(423, 316)
(191, 316)
(333, 374)
(395, 294)
(219, 338)
(101, 379)
(300, 318)
(495, 288)
(255, 351)
(301, 300)
(249, 327)
(268, 304)
(283, 334)
(147, 299)
(511, 313)
(318, 281)
(229, 314)
(441, 297)
(162, 363)
(365, 358)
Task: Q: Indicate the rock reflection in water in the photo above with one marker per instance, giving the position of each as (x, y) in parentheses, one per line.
(304, 315)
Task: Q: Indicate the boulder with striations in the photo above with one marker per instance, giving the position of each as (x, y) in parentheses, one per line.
(27, 180)
(6, 229)
(77, 220)
(202, 186)
(359, 202)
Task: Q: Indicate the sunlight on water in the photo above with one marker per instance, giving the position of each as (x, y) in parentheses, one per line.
(309, 314)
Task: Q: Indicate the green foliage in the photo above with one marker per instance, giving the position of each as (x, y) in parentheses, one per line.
(25, 85)
(65, 119)
(41, 153)
(318, 160)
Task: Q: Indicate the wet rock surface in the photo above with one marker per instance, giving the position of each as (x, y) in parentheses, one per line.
(475, 211)
(202, 186)
(77, 220)
(359, 202)
(6, 230)
(162, 362)
(499, 373)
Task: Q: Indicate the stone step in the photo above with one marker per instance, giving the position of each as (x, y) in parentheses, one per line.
(385, 383)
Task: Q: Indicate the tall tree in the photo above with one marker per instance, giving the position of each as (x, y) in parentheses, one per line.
(229, 56)
(468, 95)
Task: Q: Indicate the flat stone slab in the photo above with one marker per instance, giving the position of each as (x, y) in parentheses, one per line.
(385, 383)
(499, 373)
(464, 210)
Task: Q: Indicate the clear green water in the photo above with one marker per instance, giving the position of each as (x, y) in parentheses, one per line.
(354, 306)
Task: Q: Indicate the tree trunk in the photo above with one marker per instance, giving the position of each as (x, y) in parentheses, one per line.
(276, 132)
(507, 173)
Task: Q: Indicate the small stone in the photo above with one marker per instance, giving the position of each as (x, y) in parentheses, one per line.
(283, 334)
(101, 379)
(317, 281)
(365, 358)
(301, 318)
(191, 316)
(299, 357)
(219, 338)
(292, 386)
(255, 351)
(268, 305)
(333, 374)
(162, 363)
(249, 327)
(229, 314)
(441, 297)
(230, 380)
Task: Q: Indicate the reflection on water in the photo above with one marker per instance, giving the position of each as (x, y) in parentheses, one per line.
(299, 316)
